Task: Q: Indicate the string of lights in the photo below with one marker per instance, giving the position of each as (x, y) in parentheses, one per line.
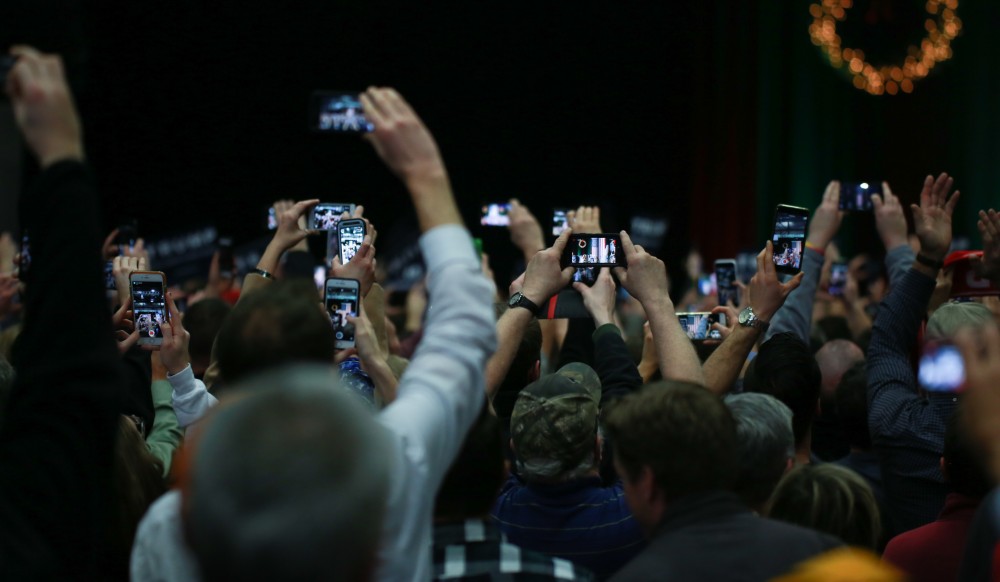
(942, 26)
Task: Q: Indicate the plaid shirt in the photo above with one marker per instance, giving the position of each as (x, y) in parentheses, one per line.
(476, 550)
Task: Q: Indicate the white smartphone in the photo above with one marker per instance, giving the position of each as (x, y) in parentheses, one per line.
(341, 298)
(326, 215)
(351, 234)
(149, 305)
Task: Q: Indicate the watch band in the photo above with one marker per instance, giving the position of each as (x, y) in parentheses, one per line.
(929, 262)
(522, 301)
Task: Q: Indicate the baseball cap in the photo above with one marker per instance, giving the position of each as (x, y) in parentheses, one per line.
(951, 317)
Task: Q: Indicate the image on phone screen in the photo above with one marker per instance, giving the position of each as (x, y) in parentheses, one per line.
(560, 221)
(341, 303)
(586, 275)
(725, 282)
(338, 112)
(319, 276)
(272, 219)
(326, 215)
(942, 368)
(789, 238)
(857, 197)
(838, 279)
(698, 325)
(109, 276)
(599, 250)
(149, 308)
(352, 234)
(706, 285)
(497, 214)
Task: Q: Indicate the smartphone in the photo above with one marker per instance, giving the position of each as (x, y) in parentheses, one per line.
(838, 279)
(128, 234)
(706, 285)
(342, 297)
(338, 112)
(725, 282)
(593, 250)
(746, 266)
(496, 214)
(272, 219)
(149, 305)
(326, 215)
(109, 276)
(351, 234)
(319, 276)
(586, 275)
(942, 368)
(857, 197)
(698, 324)
(789, 238)
(227, 265)
(560, 221)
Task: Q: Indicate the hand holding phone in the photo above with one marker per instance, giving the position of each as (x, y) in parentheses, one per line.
(725, 282)
(338, 112)
(149, 305)
(698, 325)
(342, 298)
(593, 250)
(789, 238)
(495, 214)
(326, 215)
(351, 233)
(838, 279)
(857, 196)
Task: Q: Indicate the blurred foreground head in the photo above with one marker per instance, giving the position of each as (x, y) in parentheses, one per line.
(288, 481)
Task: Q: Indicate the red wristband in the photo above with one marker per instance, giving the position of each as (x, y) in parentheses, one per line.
(821, 251)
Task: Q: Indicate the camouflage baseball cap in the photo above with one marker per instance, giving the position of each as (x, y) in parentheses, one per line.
(555, 417)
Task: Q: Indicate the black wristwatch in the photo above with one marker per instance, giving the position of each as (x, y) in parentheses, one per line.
(749, 319)
(519, 300)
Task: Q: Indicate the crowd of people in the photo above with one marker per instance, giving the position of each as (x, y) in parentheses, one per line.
(466, 439)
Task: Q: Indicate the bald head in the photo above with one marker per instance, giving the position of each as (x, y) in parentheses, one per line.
(835, 358)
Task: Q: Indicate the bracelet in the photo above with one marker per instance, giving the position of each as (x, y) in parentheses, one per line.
(263, 273)
(821, 251)
(929, 262)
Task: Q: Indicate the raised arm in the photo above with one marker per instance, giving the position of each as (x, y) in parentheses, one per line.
(891, 224)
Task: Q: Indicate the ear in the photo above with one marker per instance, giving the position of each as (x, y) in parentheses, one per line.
(535, 372)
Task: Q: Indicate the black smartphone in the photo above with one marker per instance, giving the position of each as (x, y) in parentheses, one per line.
(6, 64)
(227, 264)
(351, 234)
(789, 238)
(725, 282)
(342, 298)
(338, 112)
(698, 324)
(857, 196)
(495, 214)
(326, 215)
(149, 305)
(838, 279)
(560, 221)
(593, 250)
(942, 368)
(128, 234)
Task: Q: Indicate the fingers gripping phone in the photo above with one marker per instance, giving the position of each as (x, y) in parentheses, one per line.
(351, 234)
(725, 282)
(149, 305)
(698, 325)
(593, 250)
(789, 238)
(326, 215)
(341, 298)
(838, 279)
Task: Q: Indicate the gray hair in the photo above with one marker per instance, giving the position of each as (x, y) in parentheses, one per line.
(289, 480)
(766, 443)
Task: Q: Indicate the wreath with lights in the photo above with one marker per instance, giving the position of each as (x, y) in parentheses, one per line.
(942, 26)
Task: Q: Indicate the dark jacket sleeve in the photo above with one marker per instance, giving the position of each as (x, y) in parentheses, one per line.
(613, 364)
(578, 345)
(57, 438)
(138, 394)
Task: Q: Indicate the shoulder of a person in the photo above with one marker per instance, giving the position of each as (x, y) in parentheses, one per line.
(796, 535)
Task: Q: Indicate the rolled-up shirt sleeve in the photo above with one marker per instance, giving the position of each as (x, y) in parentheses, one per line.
(190, 397)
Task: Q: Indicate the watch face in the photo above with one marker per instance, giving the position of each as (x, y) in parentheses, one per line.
(745, 316)
(514, 299)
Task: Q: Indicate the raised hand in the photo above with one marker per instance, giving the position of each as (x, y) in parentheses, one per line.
(989, 228)
(826, 219)
(400, 137)
(174, 350)
(932, 218)
(544, 277)
(291, 224)
(122, 325)
(890, 221)
(525, 231)
(732, 316)
(585, 220)
(361, 266)
(122, 267)
(767, 293)
(599, 299)
(646, 276)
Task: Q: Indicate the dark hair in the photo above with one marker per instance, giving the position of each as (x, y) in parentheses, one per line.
(965, 468)
(279, 324)
(137, 482)
(834, 327)
(831, 499)
(851, 401)
(681, 431)
(529, 352)
(785, 369)
(203, 320)
(474, 479)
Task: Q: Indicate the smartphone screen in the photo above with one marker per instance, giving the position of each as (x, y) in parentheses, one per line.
(319, 276)
(838, 279)
(149, 306)
(497, 214)
(352, 234)
(698, 325)
(326, 215)
(587, 276)
(338, 112)
(594, 250)
(272, 219)
(706, 285)
(342, 298)
(725, 282)
(560, 221)
(942, 368)
(109, 276)
(857, 197)
(789, 237)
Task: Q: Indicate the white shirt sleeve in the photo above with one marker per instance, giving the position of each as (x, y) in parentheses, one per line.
(159, 553)
(190, 397)
(439, 397)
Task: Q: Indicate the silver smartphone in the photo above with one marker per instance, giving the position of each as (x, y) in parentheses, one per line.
(342, 297)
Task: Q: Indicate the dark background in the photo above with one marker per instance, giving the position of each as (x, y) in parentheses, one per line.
(706, 112)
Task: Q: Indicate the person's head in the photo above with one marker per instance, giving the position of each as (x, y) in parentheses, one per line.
(785, 369)
(851, 404)
(671, 439)
(280, 324)
(766, 445)
(963, 463)
(949, 318)
(203, 320)
(288, 481)
(834, 358)
(553, 427)
(474, 479)
(831, 499)
(524, 369)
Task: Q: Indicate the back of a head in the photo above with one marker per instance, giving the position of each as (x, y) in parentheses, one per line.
(831, 499)
(203, 320)
(474, 479)
(519, 375)
(964, 459)
(277, 325)
(289, 482)
(851, 402)
(681, 431)
(765, 444)
(834, 359)
(785, 369)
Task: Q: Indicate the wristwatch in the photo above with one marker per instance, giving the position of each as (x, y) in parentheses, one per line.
(749, 319)
(519, 300)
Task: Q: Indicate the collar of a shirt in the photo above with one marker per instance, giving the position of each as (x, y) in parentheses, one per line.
(699, 507)
(959, 507)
